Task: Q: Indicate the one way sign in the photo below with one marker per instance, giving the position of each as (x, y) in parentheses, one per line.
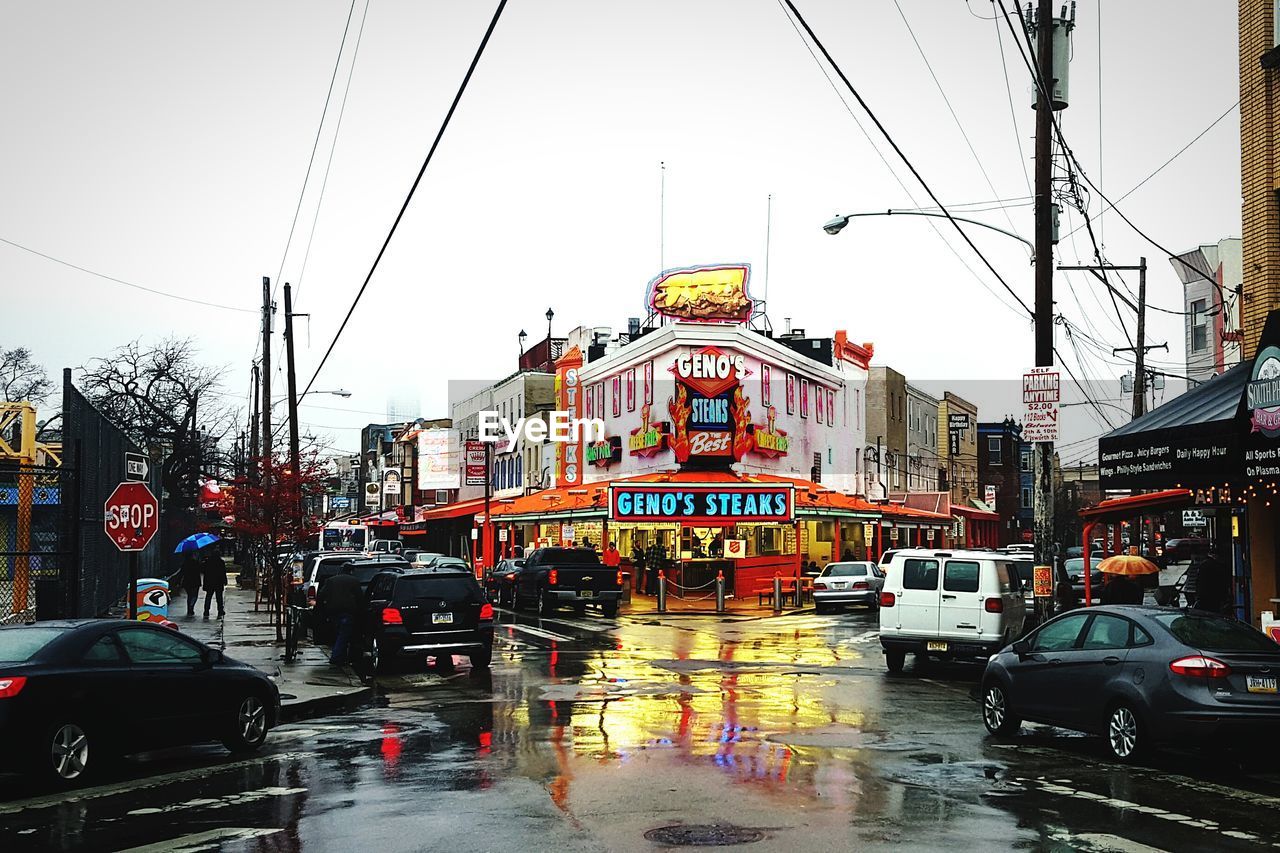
(136, 467)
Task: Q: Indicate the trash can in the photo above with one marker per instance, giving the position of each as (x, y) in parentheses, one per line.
(152, 597)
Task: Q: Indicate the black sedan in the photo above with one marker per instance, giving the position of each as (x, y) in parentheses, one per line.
(1138, 676)
(73, 693)
(500, 582)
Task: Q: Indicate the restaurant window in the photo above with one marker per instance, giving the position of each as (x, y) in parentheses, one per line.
(1199, 326)
(993, 450)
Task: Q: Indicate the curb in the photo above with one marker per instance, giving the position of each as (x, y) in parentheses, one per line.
(323, 706)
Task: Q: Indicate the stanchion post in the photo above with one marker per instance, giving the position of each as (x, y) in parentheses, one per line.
(777, 593)
(662, 591)
(719, 592)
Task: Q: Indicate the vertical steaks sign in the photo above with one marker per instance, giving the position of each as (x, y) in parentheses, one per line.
(701, 504)
(569, 454)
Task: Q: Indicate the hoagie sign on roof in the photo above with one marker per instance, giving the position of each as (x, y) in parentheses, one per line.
(715, 294)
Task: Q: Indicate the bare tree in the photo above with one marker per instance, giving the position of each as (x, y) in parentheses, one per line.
(156, 394)
(21, 378)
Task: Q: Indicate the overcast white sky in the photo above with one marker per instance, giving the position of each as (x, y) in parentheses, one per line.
(165, 144)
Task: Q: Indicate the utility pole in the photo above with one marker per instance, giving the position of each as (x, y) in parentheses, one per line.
(1046, 214)
(295, 452)
(253, 429)
(1140, 347)
(266, 371)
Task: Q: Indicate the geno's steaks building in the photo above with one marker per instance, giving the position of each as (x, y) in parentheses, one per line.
(726, 449)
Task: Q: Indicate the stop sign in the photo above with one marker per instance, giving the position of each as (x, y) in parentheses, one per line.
(131, 516)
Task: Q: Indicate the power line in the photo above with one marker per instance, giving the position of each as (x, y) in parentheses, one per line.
(951, 109)
(902, 155)
(337, 129)
(457, 98)
(887, 165)
(112, 278)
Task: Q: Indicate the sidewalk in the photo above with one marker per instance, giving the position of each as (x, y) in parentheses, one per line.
(309, 686)
(644, 605)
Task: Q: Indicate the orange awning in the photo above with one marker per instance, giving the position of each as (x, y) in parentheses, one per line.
(1118, 509)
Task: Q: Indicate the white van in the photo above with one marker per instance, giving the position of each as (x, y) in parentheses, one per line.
(948, 604)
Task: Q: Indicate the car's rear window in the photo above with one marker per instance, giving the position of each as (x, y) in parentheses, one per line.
(365, 573)
(329, 568)
(22, 644)
(1215, 634)
(845, 570)
(446, 587)
(919, 574)
(569, 556)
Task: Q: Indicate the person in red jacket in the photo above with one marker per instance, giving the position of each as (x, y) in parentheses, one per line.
(611, 557)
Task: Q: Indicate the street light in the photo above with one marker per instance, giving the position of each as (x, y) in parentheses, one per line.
(837, 224)
(523, 334)
(550, 314)
(337, 392)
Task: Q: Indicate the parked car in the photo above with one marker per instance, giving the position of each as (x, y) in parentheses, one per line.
(551, 577)
(1185, 550)
(367, 568)
(499, 582)
(386, 546)
(328, 565)
(74, 693)
(1075, 574)
(856, 582)
(428, 613)
(948, 604)
(1138, 676)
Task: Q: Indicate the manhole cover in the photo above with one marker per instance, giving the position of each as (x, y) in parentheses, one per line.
(703, 835)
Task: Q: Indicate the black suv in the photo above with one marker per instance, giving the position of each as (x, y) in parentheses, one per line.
(428, 612)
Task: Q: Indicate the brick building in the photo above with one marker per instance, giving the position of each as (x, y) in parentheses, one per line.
(1259, 165)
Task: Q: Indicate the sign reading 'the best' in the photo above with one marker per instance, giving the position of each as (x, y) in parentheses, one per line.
(1041, 396)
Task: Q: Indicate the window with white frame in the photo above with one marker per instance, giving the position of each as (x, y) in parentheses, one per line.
(1199, 326)
(993, 450)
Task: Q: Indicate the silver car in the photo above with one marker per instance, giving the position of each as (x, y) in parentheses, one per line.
(855, 582)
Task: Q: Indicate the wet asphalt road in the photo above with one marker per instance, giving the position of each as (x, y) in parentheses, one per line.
(589, 733)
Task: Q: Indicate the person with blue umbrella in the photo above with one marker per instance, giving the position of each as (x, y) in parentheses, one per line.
(193, 568)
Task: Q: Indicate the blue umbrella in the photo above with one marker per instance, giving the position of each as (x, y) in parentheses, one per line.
(195, 542)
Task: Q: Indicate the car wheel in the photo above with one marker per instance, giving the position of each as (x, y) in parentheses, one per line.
(248, 727)
(895, 659)
(378, 664)
(580, 609)
(64, 758)
(482, 658)
(1125, 734)
(609, 609)
(821, 609)
(996, 714)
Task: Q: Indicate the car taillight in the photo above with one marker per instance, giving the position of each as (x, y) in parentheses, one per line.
(888, 599)
(819, 584)
(619, 577)
(1199, 666)
(486, 611)
(993, 605)
(511, 576)
(12, 686)
(552, 577)
(391, 616)
(860, 585)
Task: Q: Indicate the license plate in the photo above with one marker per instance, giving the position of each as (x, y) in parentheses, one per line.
(586, 593)
(441, 618)
(935, 646)
(1261, 684)
(838, 586)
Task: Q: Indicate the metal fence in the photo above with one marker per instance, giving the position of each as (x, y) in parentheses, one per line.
(94, 576)
(33, 551)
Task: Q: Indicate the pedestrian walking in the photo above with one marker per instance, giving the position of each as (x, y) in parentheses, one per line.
(214, 579)
(192, 577)
(340, 599)
(1121, 589)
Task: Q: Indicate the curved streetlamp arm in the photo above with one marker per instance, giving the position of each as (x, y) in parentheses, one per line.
(836, 224)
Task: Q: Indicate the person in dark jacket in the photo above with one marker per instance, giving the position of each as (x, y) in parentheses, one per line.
(192, 577)
(340, 599)
(214, 578)
(1121, 589)
(1213, 584)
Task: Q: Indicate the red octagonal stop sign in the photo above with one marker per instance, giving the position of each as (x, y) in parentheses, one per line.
(131, 516)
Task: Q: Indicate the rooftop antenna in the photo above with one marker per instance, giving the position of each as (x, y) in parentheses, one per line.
(662, 215)
(768, 230)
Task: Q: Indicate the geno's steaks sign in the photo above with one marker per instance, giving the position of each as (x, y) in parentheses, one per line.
(701, 504)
